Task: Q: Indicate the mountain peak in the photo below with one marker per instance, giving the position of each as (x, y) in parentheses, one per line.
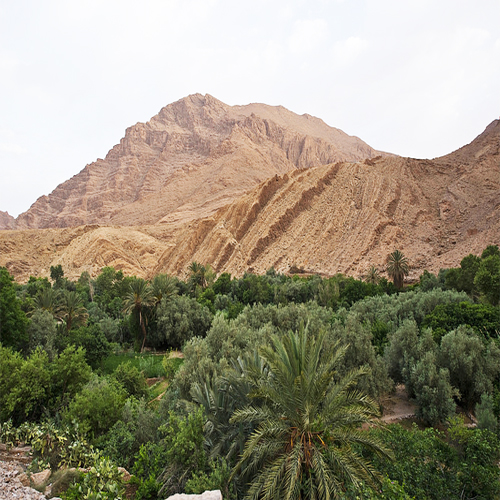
(196, 155)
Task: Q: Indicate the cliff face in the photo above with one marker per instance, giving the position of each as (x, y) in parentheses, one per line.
(340, 217)
(195, 156)
(7, 221)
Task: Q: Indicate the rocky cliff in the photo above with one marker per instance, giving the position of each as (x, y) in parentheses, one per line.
(7, 221)
(195, 156)
(339, 217)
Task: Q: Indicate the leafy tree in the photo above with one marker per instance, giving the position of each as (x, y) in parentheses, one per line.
(397, 268)
(179, 320)
(184, 452)
(433, 391)
(305, 443)
(486, 418)
(138, 299)
(98, 406)
(69, 373)
(93, 340)
(462, 278)
(482, 318)
(473, 366)
(131, 379)
(13, 321)
(56, 274)
(487, 278)
(30, 388)
(42, 333)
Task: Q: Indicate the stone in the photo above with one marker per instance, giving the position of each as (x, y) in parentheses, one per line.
(207, 495)
(40, 478)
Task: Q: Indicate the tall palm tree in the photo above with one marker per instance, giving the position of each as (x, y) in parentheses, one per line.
(71, 309)
(397, 268)
(137, 300)
(307, 432)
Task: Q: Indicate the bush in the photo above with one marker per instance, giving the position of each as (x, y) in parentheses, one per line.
(98, 406)
(132, 380)
(102, 482)
(93, 340)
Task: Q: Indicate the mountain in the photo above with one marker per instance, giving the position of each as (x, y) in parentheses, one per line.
(7, 221)
(195, 156)
(339, 217)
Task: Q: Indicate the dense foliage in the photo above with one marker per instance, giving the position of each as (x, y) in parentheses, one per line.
(275, 376)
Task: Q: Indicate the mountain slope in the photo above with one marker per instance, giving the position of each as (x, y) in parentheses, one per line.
(340, 217)
(195, 156)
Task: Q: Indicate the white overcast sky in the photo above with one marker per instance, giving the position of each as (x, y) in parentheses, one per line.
(418, 78)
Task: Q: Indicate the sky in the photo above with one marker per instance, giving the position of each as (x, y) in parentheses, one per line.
(418, 78)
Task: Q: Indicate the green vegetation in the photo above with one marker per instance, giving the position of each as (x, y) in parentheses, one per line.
(276, 375)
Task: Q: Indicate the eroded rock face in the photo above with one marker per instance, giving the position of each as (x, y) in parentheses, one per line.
(7, 221)
(195, 156)
(340, 217)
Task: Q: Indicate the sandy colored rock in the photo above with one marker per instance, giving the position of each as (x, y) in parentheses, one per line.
(341, 217)
(207, 495)
(7, 221)
(40, 478)
(195, 156)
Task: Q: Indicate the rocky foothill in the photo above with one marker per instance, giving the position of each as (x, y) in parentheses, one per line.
(14, 482)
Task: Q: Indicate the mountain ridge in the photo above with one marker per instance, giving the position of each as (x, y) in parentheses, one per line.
(193, 157)
(339, 217)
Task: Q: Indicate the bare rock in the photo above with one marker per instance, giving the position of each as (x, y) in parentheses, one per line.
(193, 157)
(40, 478)
(207, 495)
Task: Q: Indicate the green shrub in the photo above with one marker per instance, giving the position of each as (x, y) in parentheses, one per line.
(98, 406)
(102, 482)
(132, 380)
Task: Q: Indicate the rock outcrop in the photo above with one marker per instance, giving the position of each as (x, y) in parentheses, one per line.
(195, 156)
(7, 221)
(340, 217)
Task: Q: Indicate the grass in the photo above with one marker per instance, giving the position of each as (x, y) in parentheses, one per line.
(159, 388)
(149, 364)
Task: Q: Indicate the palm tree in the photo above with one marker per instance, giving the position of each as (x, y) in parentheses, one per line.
(201, 276)
(397, 268)
(163, 287)
(137, 300)
(372, 276)
(220, 397)
(307, 431)
(46, 299)
(71, 309)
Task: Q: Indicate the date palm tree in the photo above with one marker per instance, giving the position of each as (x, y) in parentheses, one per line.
(71, 309)
(372, 276)
(307, 432)
(137, 300)
(397, 268)
(163, 286)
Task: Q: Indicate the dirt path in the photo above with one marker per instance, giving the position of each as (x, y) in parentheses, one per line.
(397, 406)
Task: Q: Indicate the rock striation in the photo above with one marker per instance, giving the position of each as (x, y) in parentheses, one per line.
(339, 217)
(195, 156)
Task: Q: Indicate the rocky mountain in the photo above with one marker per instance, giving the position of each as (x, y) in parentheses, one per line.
(7, 221)
(195, 156)
(339, 217)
